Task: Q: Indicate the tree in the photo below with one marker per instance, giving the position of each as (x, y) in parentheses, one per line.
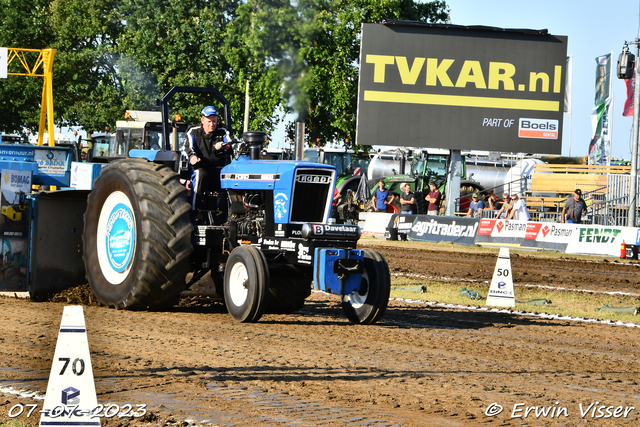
(113, 55)
(86, 90)
(308, 51)
(180, 43)
(255, 43)
(331, 58)
(89, 90)
(22, 27)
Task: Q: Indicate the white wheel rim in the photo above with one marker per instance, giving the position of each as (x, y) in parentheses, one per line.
(116, 238)
(356, 299)
(238, 284)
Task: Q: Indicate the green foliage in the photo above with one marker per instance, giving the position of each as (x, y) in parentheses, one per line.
(325, 91)
(22, 26)
(562, 160)
(299, 57)
(175, 43)
(254, 44)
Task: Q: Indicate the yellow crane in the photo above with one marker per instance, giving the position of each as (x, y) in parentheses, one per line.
(42, 67)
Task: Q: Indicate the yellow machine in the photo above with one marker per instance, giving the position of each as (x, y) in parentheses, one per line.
(42, 67)
(14, 212)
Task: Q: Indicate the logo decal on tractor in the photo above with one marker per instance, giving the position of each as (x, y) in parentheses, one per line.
(120, 237)
(280, 203)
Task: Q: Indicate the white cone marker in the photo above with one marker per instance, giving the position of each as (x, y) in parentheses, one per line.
(71, 391)
(501, 293)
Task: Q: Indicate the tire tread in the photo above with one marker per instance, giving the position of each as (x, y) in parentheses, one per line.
(166, 247)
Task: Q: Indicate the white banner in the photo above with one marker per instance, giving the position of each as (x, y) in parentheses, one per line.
(568, 238)
(4, 61)
(14, 182)
(376, 224)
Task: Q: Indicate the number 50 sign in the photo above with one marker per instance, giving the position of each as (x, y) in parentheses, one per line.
(501, 292)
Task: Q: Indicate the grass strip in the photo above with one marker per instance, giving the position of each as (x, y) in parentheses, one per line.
(564, 303)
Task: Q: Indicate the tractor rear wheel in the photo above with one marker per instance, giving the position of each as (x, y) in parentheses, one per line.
(368, 304)
(137, 236)
(246, 284)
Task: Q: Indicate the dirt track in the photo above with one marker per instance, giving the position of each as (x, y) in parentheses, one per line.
(421, 366)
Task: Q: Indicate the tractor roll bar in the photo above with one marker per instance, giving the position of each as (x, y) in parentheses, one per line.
(163, 103)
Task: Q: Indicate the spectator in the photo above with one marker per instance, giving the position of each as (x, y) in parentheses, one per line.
(407, 200)
(334, 205)
(574, 208)
(380, 198)
(475, 207)
(433, 198)
(494, 203)
(507, 205)
(519, 209)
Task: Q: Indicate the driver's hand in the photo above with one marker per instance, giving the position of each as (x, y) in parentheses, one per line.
(194, 159)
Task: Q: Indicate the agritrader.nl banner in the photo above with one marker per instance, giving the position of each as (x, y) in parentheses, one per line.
(427, 228)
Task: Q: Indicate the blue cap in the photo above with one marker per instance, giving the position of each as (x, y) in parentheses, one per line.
(209, 111)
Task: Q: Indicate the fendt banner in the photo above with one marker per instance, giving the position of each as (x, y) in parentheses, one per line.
(448, 86)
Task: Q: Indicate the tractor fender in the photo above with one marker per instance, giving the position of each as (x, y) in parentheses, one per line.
(169, 158)
(349, 183)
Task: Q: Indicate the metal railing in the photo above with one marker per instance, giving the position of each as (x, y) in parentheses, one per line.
(607, 205)
(611, 208)
(611, 211)
(535, 215)
(516, 183)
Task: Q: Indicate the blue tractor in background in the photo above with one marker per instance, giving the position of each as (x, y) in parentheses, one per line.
(141, 238)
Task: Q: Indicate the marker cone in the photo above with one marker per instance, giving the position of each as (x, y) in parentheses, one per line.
(501, 293)
(71, 391)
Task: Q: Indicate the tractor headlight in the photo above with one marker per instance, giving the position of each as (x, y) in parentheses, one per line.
(307, 231)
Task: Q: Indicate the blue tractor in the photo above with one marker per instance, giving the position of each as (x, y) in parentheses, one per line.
(142, 238)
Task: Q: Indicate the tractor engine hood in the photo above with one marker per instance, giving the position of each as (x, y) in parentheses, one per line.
(302, 191)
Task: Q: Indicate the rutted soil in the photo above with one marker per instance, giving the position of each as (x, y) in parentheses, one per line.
(420, 366)
(438, 261)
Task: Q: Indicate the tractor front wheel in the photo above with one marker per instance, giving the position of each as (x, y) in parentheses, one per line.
(246, 284)
(368, 304)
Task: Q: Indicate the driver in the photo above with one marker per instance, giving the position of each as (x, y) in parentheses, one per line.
(208, 151)
(151, 143)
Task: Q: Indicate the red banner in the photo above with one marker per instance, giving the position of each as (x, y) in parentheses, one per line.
(628, 103)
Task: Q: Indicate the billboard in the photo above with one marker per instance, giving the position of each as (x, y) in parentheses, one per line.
(447, 86)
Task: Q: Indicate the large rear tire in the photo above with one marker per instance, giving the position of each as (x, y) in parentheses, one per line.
(368, 304)
(246, 284)
(466, 190)
(137, 236)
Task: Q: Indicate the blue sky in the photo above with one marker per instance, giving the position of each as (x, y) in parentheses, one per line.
(593, 28)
